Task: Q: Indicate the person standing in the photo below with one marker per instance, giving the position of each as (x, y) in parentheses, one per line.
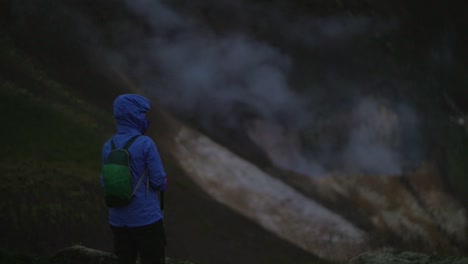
(137, 227)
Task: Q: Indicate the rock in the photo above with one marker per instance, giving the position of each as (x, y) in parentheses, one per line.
(82, 255)
(404, 257)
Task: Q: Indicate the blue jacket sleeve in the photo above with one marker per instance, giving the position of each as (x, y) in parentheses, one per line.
(156, 173)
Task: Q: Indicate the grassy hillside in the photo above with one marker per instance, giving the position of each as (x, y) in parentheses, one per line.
(50, 197)
(50, 160)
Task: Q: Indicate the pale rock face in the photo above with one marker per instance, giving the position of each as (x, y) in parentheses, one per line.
(308, 211)
(274, 205)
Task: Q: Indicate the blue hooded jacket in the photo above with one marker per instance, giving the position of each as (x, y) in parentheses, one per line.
(130, 115)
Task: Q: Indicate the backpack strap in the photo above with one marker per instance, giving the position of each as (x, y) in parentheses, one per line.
(130, 142)
(127, 145)
(138, 184)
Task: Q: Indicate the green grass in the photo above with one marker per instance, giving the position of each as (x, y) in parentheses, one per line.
(36, 131)
(50, 158)
(42, 119)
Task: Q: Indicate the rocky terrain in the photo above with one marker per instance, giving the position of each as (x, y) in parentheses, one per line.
(334, 217)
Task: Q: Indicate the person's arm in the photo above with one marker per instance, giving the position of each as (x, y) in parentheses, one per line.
(156, 173)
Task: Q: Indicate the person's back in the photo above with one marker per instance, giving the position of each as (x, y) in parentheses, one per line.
(137, 227)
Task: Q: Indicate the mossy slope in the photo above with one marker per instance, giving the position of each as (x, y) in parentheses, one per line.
(52, 137)
(49, 161)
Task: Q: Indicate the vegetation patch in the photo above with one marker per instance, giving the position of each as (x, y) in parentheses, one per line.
(50, 160)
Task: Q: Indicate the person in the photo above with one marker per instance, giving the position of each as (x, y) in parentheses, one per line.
(137, 228)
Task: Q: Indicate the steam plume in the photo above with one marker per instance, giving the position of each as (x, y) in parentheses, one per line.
(208, 76)
(322, 74)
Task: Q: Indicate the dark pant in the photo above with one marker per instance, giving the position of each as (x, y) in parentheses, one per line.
(146, 241)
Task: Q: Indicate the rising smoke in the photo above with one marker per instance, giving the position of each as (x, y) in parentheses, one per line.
(320, 69)
(193, 71)
(376, 139)
(208, 76)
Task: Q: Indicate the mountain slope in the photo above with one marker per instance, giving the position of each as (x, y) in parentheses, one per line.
(266, 200)
(47, 169)
(220, 205)
(50, 165)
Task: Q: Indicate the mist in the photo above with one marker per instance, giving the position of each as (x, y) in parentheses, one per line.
(225, 79)
(316, 84)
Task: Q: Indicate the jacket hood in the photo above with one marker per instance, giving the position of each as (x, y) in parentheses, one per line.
(130, 113)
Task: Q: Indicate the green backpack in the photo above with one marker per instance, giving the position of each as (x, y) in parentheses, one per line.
(116, 173)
